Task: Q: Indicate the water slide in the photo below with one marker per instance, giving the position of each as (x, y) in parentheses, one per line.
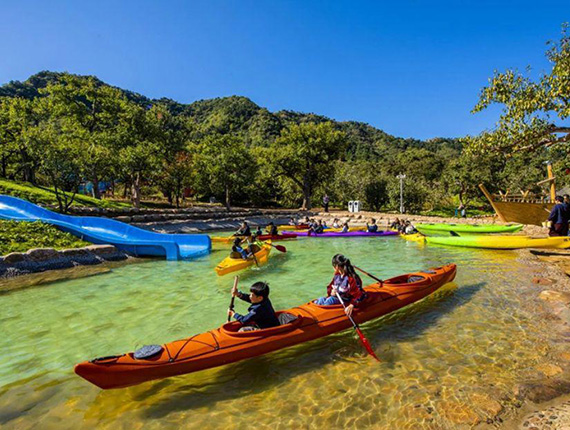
(134, 240)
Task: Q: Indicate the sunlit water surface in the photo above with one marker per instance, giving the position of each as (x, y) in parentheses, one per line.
(480, 336)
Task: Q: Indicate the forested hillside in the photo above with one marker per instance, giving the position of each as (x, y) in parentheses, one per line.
(62, 130)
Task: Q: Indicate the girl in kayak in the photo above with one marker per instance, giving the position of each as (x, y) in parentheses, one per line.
(261, 313)
(345, 228)
(258, 232)
(372, 227)
(346, 282)
(272, 229)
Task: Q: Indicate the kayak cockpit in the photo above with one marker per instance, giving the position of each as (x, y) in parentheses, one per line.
(288, 322)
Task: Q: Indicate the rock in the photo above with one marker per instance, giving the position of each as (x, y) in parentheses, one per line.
(549, 369)
(78, 252)
(14, 257)
(564, 356)
(459, 413)
(487, 405)
(542, 281)
(102, 249)
(542, 391)
(555, 296)
(124, 218)
(43, 254)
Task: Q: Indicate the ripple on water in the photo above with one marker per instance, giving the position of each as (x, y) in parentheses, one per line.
(440, 357)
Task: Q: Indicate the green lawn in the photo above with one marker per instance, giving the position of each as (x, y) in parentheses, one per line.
(46, 196)
(21, 236)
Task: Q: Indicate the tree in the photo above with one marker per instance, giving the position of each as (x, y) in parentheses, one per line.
(533, 110)
(61, 161)
(304, 155)
(225, 166)
(178, 174)
(18, 121)
(463, 175)
(88, 112)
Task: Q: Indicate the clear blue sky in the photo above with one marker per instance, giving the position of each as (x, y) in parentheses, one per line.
(411, 68)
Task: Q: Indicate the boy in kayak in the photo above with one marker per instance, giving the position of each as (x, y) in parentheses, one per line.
(236, 247)
(258, 232)
(261, 313)
(346, 283)
(317, 227)
(372, 227)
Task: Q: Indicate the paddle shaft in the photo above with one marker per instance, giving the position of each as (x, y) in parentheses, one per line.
(232, 301)
(368, 274)
(363, 339)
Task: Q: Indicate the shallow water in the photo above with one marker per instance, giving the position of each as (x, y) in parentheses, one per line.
(474, 340)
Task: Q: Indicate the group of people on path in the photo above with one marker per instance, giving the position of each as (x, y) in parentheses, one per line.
(345, 288)
(559, 216)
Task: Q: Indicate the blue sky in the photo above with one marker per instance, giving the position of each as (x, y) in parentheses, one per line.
(410, 68)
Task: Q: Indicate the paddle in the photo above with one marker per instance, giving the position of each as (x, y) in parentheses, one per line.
(279, 248)
(368, 274)
(232, 301)
(363, 339)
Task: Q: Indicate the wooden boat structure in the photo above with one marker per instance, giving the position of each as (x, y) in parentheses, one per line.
(526, 207)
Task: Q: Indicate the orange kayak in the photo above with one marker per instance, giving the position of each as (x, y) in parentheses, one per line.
(226, 345)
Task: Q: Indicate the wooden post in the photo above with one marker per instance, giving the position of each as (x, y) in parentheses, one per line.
(490, 198)
(552, 184)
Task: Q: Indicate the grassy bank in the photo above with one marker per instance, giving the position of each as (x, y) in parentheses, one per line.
(47, 196)
(22, 236)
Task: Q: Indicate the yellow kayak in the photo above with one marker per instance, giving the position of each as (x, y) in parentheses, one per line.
(230, 264)
(501, 242)
(416, 237)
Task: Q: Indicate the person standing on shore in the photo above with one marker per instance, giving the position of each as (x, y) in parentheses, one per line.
(558, 218)
(326, 201)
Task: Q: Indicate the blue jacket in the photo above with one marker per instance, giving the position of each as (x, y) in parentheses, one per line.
(262, 314)
(558, 215)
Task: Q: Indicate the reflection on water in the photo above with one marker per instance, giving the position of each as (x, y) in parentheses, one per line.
(467, 346)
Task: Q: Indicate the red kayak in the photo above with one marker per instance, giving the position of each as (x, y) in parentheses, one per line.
(283, 236)
(227, 345)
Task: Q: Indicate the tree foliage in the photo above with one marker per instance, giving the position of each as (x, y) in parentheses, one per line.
(533, 110)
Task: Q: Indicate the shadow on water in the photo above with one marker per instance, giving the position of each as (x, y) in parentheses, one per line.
(262, 373)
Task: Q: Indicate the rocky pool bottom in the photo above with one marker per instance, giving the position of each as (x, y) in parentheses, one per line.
(473, 355)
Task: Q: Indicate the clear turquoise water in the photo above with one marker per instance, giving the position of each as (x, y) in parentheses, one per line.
(479, 337)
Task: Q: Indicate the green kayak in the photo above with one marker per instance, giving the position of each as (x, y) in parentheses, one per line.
(466, 229)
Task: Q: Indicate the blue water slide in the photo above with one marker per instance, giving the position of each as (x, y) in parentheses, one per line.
(134, 240)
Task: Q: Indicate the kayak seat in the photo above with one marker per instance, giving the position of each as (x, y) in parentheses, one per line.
(232, 328)
(286, 318)
(235, 255)
(413, 279)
